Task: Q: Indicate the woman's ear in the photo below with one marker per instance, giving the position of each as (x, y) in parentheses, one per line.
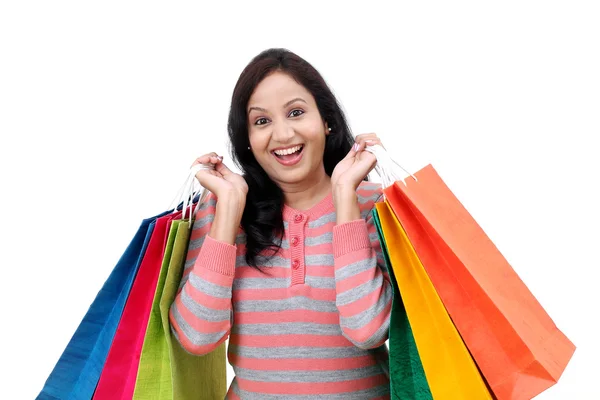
(327, 129)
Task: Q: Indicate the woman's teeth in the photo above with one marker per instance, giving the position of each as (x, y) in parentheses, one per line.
(289, 151)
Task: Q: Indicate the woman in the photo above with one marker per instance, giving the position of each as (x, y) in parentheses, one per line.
(285, 261)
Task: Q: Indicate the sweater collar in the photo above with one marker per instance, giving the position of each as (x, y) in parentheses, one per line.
(323, 206)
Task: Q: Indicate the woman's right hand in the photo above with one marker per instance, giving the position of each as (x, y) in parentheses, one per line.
(221, 180)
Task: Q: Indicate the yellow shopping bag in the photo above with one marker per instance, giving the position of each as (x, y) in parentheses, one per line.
(448, 365)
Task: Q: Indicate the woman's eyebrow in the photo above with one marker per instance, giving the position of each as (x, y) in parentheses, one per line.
(293, 100)
(284, 106)
(257, 109)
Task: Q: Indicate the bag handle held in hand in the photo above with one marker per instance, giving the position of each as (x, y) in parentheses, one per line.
(386, 167)
(189, 190)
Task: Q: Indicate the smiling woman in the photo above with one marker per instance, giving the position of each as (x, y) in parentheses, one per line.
(288, 133)
(285, 260)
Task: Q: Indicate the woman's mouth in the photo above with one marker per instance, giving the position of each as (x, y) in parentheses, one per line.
(290, 155)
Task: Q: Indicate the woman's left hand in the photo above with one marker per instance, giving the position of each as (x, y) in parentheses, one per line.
(353, 168)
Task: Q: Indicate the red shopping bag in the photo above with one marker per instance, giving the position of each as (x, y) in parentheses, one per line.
(118, 377)
(516, 345)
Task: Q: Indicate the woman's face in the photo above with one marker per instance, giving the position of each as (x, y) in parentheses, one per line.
(286, 131)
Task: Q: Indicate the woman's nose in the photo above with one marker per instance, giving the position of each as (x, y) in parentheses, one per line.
(283, 132)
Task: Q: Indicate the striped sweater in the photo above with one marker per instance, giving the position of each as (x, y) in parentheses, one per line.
(312, 325)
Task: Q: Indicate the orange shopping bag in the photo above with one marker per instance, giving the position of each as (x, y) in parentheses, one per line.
(516, 345)
(449, 369)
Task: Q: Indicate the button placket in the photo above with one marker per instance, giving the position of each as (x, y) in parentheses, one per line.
(296, 234)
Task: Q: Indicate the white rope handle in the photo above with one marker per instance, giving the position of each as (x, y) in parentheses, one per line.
(189, 190)
(386, 167)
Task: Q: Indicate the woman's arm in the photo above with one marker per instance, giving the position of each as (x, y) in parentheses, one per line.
(200, 316)
(363, 289)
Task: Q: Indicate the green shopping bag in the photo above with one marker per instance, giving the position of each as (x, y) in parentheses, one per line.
(407, 377)
(166, 370)
(194, 377)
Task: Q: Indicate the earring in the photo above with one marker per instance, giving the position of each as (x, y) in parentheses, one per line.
(248, 147)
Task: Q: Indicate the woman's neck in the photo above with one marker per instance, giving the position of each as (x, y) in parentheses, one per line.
(305, 195)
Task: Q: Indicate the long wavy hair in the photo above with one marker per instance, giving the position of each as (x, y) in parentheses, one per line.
(262, 220)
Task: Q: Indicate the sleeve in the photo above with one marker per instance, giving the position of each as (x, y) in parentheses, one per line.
(200, 316)
(363, 288)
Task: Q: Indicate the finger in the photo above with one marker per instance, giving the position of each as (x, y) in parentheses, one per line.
(361, 146)
(372, 142)
(368, 159)
(352, 152)
(211, 173)
(223, 169)
(364, 136)
(368, 139)
(367, 136)
(216, 159)
(205, 159)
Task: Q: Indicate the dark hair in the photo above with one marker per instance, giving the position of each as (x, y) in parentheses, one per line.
(262, 220)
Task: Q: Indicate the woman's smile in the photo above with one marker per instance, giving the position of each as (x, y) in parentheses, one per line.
(290, 155)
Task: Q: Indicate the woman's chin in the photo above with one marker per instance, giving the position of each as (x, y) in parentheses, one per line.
(298, 176)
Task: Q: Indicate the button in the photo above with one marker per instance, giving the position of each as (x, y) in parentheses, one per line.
(295, 241)
(295, 264)
(298, 217)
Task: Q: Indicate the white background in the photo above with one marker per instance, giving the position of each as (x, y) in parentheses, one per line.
(104, 105)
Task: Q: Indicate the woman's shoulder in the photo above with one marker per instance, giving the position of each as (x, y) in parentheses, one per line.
(205, 215)
(368, 194)
(369, 189)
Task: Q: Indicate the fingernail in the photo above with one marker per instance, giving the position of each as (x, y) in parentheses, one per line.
(355, 147)
(220, 158)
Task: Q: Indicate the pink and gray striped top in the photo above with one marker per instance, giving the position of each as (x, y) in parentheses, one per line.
(312, 325)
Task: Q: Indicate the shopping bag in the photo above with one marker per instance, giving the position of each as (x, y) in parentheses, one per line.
(166, 371)
(154, 370)
(192, 374)
(117, 380)
(451, 372)
(407, 378)
(516, 345)
(78, 369)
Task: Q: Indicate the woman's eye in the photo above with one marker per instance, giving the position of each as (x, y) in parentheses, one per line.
(261, 121)
(296, 113)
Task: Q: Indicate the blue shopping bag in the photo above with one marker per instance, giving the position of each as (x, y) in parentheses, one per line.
(77, 371)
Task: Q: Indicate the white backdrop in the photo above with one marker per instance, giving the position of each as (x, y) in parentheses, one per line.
(104, 105)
